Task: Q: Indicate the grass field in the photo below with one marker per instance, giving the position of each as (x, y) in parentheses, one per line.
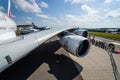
(106, 35)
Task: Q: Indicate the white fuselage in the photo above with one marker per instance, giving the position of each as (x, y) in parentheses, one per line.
(7, 27)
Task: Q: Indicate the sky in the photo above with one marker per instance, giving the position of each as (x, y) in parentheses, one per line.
(78, 13)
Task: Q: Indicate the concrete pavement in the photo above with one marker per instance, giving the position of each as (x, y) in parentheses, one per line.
(96, 66)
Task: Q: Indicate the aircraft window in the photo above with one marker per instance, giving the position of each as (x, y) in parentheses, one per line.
(2, 28)
(12, 28)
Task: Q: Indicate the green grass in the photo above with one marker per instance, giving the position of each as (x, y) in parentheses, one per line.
(106, 35)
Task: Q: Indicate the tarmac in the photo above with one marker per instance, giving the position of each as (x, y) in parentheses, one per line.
(51, 62)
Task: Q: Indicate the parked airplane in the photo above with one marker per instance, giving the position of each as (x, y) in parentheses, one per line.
(13, 48)
(40, 28)
(29, 28)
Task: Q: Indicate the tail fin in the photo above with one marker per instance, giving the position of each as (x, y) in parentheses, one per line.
(9, 9)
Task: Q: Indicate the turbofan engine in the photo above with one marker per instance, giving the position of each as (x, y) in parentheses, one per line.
(77, 45)
(81, 32)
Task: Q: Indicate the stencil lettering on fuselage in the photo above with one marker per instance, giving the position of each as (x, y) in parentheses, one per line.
(9, 60)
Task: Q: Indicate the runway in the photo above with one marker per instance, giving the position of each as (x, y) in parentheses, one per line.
(51, 62)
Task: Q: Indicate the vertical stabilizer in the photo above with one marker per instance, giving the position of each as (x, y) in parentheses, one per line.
(9, 8)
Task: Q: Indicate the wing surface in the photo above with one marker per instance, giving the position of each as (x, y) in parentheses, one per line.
(13, 51)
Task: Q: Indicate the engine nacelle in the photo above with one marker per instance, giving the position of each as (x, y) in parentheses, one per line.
(81, 32)
(77, 45)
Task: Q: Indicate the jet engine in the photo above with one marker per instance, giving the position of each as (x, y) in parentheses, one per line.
(81, 32)
(77, 45)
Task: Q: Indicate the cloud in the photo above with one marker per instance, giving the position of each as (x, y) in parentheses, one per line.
(69, 16)
(13, 16)
(113, 14)
(28, 22)
(88, 9)
(29, 18)
(71, 19)
(1, 8)
(79, 19)
(78, 1)
(106, 10)
(107, 1)
(85, 21)
(110, 1)
(43, 4)
(42, 16)
(91, 14)
(27, 5)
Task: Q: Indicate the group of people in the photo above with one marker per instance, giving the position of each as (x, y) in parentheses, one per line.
(100, 43)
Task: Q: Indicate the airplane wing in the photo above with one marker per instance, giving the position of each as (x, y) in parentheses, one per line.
(13, 47)
(14, 50)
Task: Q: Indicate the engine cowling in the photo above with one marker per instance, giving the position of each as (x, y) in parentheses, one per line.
(77, 45)
(81, 32)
